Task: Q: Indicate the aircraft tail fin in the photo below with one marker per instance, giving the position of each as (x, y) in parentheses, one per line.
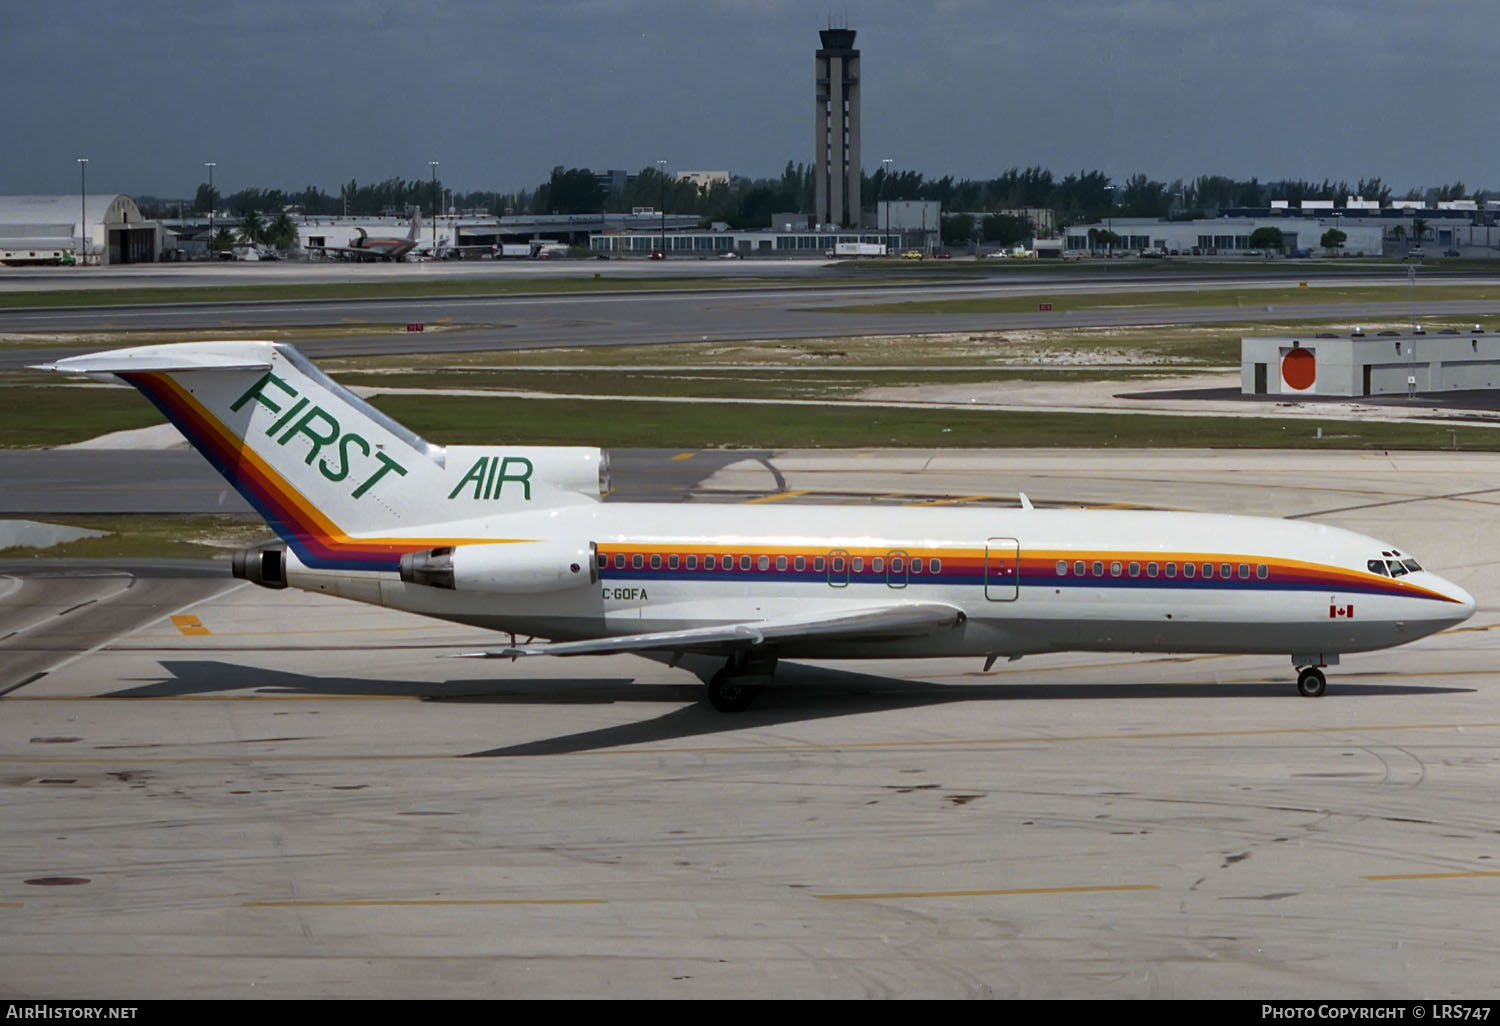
(343, 484)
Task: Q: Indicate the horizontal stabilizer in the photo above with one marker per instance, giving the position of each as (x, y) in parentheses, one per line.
(895, 620)
(217, 356)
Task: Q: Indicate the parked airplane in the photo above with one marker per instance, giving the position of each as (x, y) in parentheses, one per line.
(517, 539)
(388, 248)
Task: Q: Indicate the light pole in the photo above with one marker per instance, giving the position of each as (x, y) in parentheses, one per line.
(1109, 217)
(210, 165)
(885, 177)
(434, 165)
(661, 170)
(83, 216)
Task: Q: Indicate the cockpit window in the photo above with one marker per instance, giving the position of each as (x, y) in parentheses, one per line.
(1411, 564)
(1396, 568)
(1376, 566)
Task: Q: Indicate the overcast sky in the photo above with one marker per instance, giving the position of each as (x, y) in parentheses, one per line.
(286, 93)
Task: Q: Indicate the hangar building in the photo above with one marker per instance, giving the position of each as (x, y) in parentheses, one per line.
(1380, 363)
(45, 229)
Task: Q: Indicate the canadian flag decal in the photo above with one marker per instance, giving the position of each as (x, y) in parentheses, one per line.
(1334, 612)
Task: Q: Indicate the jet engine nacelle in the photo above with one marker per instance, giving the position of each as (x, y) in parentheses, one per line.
(265, 565)
(517, 568)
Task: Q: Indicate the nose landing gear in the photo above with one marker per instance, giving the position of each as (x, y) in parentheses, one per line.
(1310, 682)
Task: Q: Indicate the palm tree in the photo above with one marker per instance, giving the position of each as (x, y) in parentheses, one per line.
(222, 240)
(281, 232)
(252, 230)
(1418, 230)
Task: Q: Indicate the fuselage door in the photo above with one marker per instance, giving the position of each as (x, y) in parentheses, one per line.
(1002, 569)
(838, 568)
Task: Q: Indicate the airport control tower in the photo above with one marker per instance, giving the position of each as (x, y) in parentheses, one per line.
(836, 136)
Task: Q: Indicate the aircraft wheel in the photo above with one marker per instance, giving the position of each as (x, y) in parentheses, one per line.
(727, 693)
(1311, 683)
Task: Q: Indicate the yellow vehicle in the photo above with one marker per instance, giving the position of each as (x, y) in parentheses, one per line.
(912, 254)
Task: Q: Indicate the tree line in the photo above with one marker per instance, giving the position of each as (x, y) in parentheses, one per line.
(1075, 198)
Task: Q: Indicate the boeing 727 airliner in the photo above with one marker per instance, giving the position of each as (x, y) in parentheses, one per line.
(516, 539)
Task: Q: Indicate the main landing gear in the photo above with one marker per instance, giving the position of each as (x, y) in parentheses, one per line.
(734, 687)
(1310, 682)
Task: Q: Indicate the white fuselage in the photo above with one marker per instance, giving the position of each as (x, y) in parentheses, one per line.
(1027, 580)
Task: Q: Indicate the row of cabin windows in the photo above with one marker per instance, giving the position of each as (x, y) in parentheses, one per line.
(819, 564)
(1227, 571)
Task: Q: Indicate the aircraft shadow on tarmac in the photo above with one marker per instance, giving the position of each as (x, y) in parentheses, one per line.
(802, 693)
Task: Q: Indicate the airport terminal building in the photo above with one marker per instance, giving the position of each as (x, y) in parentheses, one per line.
(1380, 363)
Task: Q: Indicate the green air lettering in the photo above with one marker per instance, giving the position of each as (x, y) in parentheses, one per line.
(489, 484)
(288, 415)
(344, 443)
(475, 474)
(386, 466)
(304, 427)
(523, 479)
(257, 392)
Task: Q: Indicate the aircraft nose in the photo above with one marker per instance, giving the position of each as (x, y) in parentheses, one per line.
(1464, 602)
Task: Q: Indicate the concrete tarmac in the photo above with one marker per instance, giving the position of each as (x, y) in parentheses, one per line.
(214, 790)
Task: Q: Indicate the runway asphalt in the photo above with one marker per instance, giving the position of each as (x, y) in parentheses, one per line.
(214, 790)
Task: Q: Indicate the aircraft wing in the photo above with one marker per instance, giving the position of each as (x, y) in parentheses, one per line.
(893, 620)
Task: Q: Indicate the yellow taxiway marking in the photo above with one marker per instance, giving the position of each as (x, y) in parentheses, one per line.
(777, 497)
(1006, 892)
(11, 904)
(1476, 875)
(423, 903)
(189, 624)
(953, 501)
(684, 456)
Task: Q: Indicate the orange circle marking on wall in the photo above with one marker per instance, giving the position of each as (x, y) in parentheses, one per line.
(1299, 369)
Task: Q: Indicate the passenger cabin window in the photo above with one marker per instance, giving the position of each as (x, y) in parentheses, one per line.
(1135, 569)
(1262, 571)
(1171, 569)
(1189, 569)
(603, 561)
(878, 565)
(672, 561)
(916, 566)
(1062, 568)
(656, 561)
(692, 562)
(763, 563)
(709, 562)
(1244, 571)
(1150, 569)
(859, 563)
(1080, 567)
(1098, 568)
(1115, 569)
(818, 564)
(619, 561)
(1208, 571)
(1226, 571)
(897, 564)
(838, 564)
(745, 562)
(637, 561)
(800, 563)
(937, 566)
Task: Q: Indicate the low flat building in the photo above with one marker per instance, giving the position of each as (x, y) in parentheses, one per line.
(1378, 363)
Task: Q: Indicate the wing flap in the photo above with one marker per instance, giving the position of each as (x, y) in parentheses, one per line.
(906, 619)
